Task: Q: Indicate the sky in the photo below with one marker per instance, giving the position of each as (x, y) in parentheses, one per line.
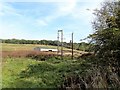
(38, 19)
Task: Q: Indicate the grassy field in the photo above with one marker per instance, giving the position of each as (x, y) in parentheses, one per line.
(29, 73)
(39, 70)
(16, 47)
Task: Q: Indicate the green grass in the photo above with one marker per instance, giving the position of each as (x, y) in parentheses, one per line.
(29, 73)
(11, 69)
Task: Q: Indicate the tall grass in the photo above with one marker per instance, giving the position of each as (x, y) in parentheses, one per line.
(31, 73)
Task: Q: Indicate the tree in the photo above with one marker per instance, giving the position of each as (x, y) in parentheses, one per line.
(107, 35)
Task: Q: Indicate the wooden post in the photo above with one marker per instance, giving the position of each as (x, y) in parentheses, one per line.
(72, 45)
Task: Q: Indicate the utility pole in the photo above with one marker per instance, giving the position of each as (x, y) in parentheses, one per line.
(61, 43)
(58, 44)
(72, 45)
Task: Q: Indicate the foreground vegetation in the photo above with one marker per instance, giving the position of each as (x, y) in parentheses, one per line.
(31, 73)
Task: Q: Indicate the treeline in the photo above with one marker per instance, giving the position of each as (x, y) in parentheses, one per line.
(23, 41)
(78, 46)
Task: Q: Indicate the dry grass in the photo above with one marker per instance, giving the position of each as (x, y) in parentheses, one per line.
(16, 47)
(24, 53)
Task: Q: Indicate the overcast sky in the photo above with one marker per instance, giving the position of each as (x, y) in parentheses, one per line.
(38, 19)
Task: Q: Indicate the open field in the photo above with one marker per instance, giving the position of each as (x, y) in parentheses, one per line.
(16, 47)
(25, 49)
(22, 67)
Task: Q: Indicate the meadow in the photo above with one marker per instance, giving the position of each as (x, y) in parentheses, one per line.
(36, 69)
